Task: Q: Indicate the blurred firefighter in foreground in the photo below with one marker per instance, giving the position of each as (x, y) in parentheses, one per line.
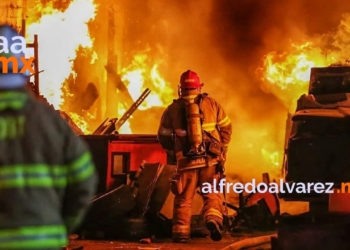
(47, 177)
(197, 131)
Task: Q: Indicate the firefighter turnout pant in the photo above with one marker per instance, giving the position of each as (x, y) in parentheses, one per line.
(184, 190)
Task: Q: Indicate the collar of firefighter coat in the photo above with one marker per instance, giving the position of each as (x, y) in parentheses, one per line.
(190, 94)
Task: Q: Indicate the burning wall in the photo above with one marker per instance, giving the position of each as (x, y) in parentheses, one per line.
(224, 41)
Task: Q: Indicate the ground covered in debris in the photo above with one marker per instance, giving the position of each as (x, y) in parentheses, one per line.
(157, 244)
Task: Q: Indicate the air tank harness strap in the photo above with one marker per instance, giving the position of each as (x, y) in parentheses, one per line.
(201, 97)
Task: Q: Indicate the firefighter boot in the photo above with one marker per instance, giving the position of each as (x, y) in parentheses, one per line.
(178, 238)
(214, 228)
(181, 233)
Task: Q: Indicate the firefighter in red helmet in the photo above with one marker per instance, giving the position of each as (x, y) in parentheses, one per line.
(197, 131)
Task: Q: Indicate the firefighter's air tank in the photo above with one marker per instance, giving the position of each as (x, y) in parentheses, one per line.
(194, 128)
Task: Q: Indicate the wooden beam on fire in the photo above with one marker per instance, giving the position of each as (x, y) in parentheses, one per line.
(111, 95)
(114, 80)
(35, 46)
(119, 84)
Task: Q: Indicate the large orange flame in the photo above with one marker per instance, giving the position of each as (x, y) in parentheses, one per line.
(286, 74)
(60, 33)
(143, 73)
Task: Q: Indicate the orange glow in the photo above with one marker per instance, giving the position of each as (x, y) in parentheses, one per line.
(80, 122)
(287, 74)
(58, 44)
(58, 49)
(138, 76)
(60, 35)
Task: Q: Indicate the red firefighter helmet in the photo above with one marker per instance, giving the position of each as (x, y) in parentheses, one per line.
(190, 80)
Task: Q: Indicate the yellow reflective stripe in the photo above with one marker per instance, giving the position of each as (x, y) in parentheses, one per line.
(81, 169)
(181, 228)
(14, 100)
(209, 126)
(10, 96)
(13, 104)
(188, 97)
(34, 237)
(181, 132)
(165, 131)
(213, 212)
(224, 122)
(35, 176)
